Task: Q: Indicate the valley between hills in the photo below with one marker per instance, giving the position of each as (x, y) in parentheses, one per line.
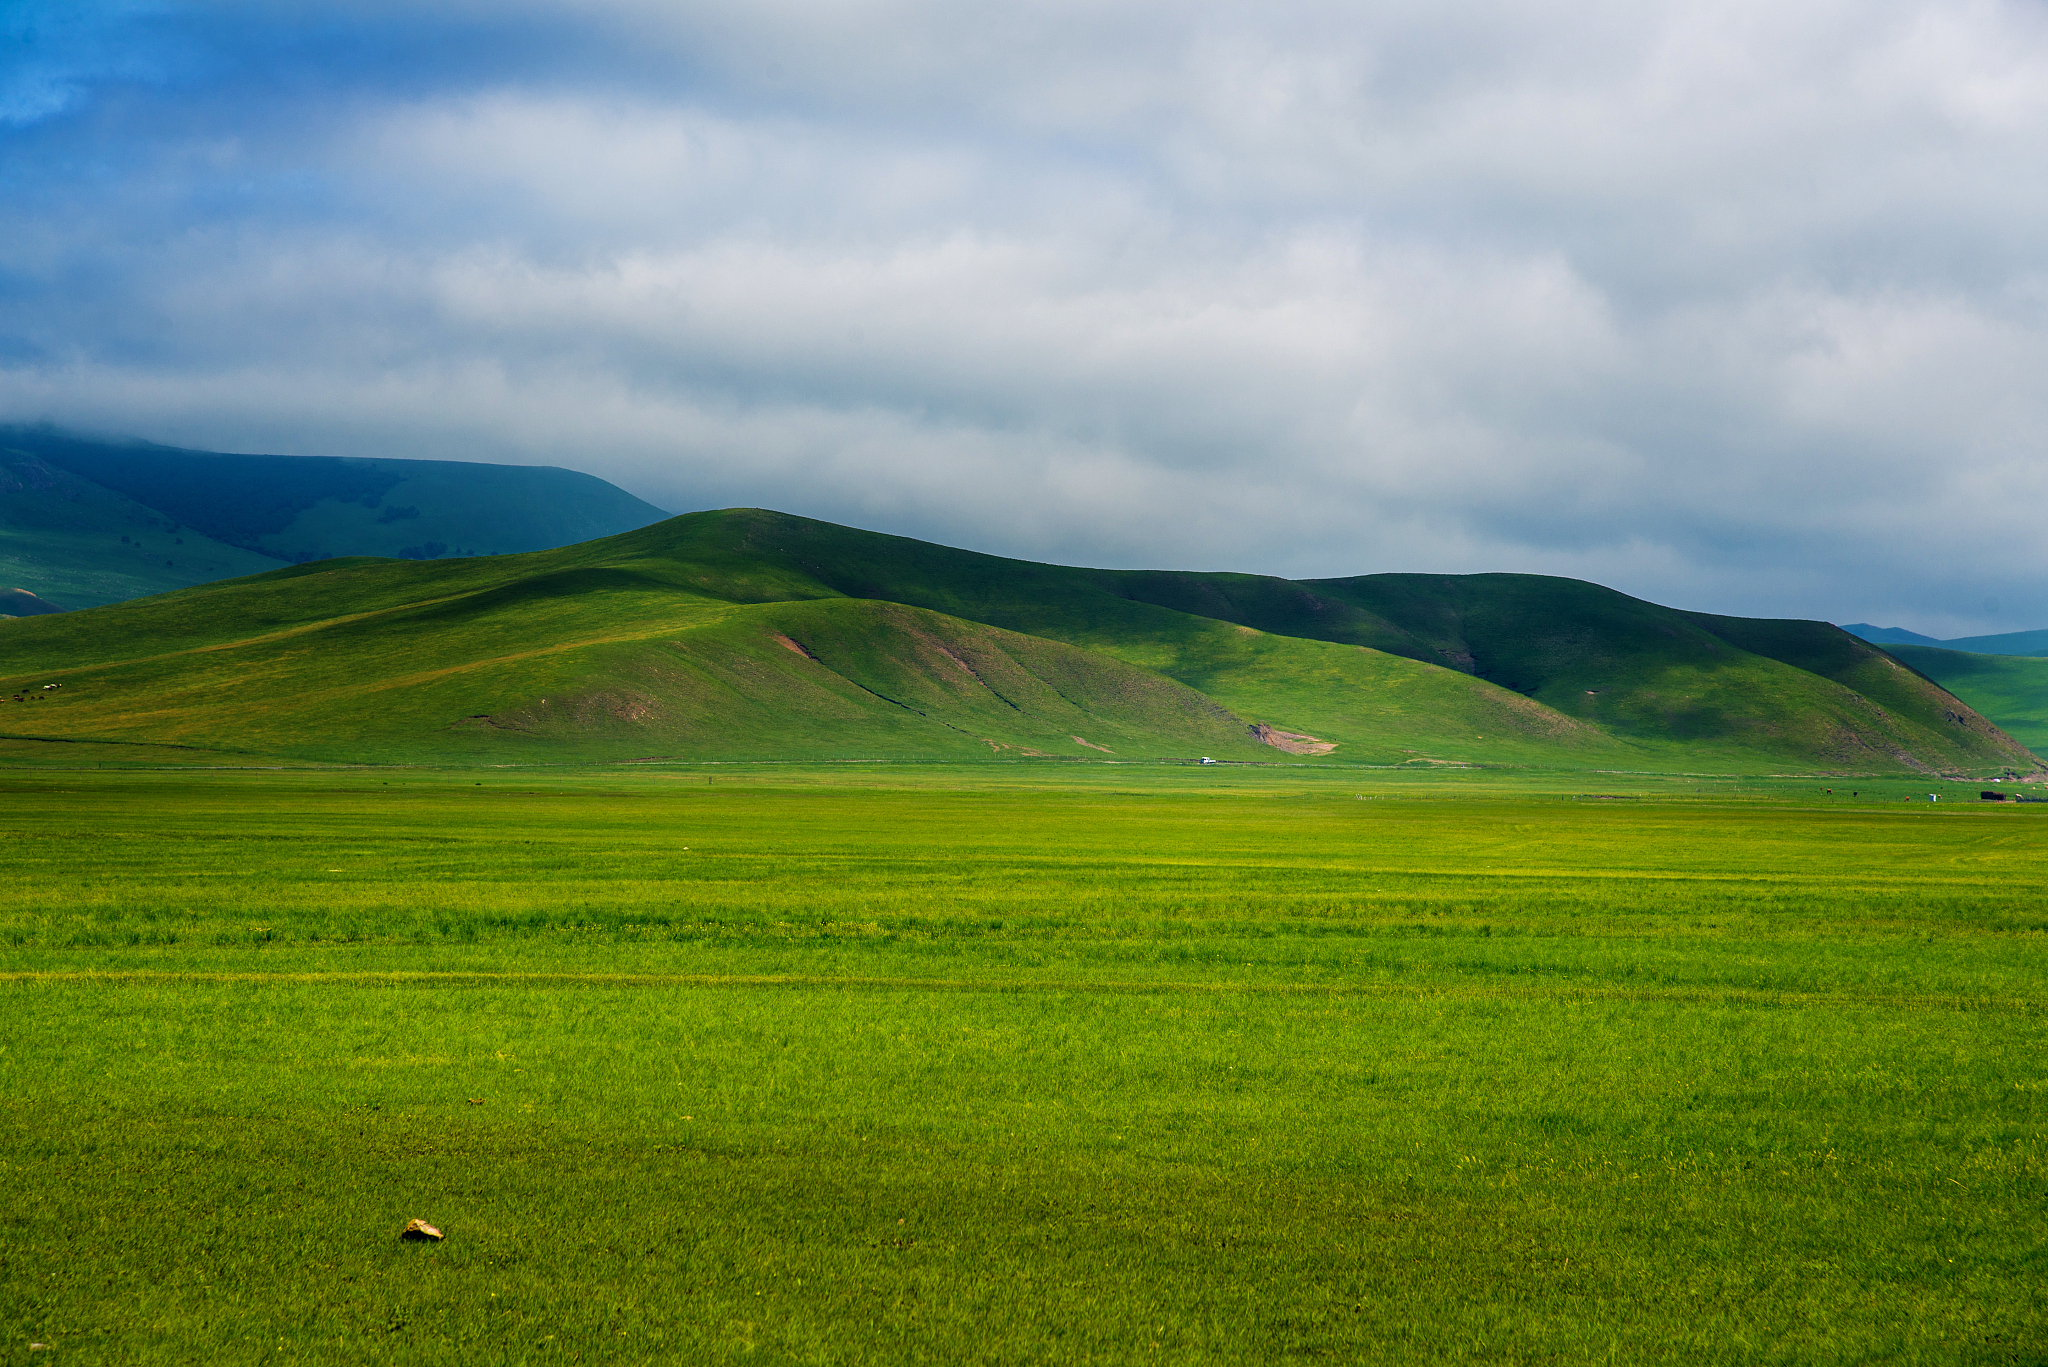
(750, 635)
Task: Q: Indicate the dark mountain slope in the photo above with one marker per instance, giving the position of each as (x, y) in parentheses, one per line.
(1888, 636)
(77, 544)
(22, 603)
(2004, 643)
(283, 508)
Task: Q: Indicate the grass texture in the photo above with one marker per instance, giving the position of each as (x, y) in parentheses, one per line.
(843, 1064)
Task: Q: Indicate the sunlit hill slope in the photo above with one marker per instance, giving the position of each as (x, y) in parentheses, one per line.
(747, 634)
(2013, 688)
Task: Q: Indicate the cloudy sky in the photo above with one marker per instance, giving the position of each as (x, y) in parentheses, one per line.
(1740, 306)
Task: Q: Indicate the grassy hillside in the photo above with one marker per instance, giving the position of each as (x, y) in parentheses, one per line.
(753, 635)
(75, 544)
(1882, 706)
(590, 665)
(1638, 670)
(241, 514)
(533, 657)
(2012, 690)
(1643, 680)
(1657, 674)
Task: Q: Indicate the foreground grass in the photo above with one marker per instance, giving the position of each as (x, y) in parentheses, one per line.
(1186, 1067)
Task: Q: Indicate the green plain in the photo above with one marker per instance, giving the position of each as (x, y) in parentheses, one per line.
(1018, 1063)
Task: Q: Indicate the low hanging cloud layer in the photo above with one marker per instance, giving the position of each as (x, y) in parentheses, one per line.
(1739, 307)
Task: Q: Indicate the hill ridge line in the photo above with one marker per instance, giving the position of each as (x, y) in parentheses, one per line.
(643, 644)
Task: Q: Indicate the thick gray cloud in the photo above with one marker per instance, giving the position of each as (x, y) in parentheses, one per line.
(1739, 307)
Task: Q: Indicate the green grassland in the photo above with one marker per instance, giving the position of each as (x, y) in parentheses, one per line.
(2013, 688)
(747, 635)
(1018, 1062)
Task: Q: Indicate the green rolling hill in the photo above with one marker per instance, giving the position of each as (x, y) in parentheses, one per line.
(747, 634)
(1627, 671)
(2012, 689)
(86, 522)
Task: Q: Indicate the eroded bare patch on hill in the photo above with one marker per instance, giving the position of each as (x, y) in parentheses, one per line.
(1293, 742)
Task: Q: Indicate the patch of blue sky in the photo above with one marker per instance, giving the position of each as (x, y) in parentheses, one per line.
(54, 52)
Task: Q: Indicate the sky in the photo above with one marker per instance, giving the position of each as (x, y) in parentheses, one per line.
(1738, 307)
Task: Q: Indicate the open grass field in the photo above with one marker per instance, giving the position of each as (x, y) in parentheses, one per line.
(1030, 1063)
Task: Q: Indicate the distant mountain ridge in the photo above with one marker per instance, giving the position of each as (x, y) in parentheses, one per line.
(2002, 676)
(747, 634)
(2003, 643)
(86, 521)
(1887, 636)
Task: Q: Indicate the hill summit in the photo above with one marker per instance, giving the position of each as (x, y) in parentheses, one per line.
(749, 634)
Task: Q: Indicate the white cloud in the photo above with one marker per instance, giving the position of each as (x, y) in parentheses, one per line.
(1737, 307)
